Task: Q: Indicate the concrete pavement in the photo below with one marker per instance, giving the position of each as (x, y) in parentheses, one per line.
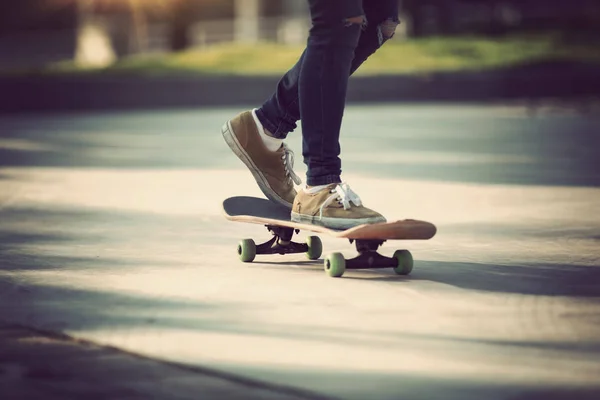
(111, 231)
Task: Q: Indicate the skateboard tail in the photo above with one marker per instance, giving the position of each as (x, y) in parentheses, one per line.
(398, 230)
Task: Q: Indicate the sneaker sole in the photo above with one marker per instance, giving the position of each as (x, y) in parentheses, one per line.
(333, 223)
(260, 179)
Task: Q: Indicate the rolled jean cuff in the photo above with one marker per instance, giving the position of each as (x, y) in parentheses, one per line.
(275, 131)
(322, 180)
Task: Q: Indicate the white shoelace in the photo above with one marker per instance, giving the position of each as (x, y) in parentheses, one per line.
(344, 195)
(288, 163)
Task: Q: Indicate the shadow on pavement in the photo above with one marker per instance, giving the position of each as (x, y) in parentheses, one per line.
(528, 279)
(59, 307)
(468, 144)
(532, 279)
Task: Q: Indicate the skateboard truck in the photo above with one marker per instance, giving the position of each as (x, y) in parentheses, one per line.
(281, 243)
(368, 257)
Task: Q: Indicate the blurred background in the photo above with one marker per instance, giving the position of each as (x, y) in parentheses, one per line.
(483, 49)
(100, 33)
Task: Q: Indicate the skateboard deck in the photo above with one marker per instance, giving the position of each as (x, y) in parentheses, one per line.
(261, 211)
(367, 237)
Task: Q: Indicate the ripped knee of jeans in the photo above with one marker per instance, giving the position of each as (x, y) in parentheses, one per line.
(361, 20)
(387, 29)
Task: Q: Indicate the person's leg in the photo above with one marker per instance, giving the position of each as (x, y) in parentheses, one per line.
(322, 86)
(269, 160)
(382, 21)
(325, 69)
(280, 113)
(323, 83)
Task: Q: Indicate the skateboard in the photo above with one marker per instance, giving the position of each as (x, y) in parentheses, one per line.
(367, 238)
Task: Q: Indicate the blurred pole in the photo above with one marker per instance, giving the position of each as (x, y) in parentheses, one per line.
(247, 21)
(140, 27)
(295, 8)
(294, 27)
(182, 14)
(94, 46)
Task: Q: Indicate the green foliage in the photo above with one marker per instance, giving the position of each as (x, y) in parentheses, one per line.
(395, 57)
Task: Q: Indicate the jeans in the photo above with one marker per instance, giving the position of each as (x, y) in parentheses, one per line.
(314, 89)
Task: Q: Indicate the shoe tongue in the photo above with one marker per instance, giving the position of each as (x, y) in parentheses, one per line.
(323, 189)
(327, 192)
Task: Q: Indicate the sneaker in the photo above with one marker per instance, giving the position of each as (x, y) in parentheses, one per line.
(335, 207)
(272, 170)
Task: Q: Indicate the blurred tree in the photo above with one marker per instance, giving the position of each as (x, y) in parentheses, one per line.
(247, 20)
(182, 16)
(28, 15)
(428, 16)
(274, 8)
(490, 17)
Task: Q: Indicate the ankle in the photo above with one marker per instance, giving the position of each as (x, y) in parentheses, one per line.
(272, 143)
(268, 133)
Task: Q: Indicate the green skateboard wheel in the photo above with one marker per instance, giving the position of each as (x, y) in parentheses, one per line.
(247, 250)
(315, 247)
(405, 262)
(335, 265)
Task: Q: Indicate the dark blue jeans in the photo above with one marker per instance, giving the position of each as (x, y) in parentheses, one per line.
(314, 90)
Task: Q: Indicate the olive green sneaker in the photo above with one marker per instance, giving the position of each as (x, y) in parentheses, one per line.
(272, 170)
(335, 207)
